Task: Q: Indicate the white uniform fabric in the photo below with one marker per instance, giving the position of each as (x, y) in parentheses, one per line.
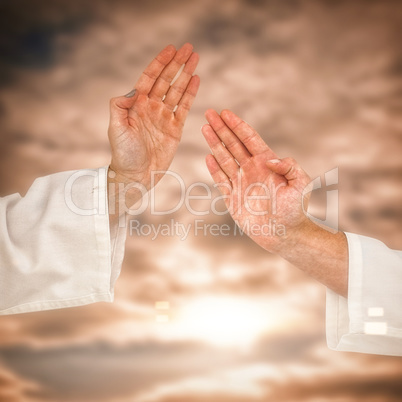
(55, 248)
(370, 320)
(56, 252)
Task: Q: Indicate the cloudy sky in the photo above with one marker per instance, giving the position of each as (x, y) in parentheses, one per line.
(320, 80)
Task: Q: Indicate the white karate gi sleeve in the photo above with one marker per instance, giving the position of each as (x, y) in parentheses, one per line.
(370, 320)
(55, 248)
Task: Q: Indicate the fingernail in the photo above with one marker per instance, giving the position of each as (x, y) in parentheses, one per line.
(131, 93)
(274, 161)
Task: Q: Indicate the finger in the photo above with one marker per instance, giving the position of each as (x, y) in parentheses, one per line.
(218, 175)
(291, 170)
(222, 155)
(187, 99)
(177, 90)
(232, 143)
(165, 78)
(246, 134)
(154, 69)
(119, 110)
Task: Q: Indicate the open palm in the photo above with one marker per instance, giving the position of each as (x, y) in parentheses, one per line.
(146, 125)
(261, 191)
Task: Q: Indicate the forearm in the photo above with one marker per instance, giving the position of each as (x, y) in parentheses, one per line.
(320, 253)
(122, 195)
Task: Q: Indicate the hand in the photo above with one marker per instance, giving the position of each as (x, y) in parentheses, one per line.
(263, 194)
(267, 197)
(146, 127)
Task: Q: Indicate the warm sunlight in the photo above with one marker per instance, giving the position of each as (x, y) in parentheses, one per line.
(223, 321)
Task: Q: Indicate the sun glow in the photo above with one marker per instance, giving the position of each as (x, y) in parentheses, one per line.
(223, 321)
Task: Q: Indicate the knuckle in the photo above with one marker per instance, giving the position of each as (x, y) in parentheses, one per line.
(249, 138)
(226, 160)
(231, 143)
(186, 105)
(178, 88)
(291, 161)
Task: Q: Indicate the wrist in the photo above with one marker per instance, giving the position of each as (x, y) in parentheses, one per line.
(128, 178)
(124, 192)
(306, 235)
(302, 233)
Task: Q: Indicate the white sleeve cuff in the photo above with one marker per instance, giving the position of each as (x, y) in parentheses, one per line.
(370, 319)
(56, 249)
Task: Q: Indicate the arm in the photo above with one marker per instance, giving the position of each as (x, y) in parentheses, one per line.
(146, 126)
(56, 249)
(261, 189)
(264, 190)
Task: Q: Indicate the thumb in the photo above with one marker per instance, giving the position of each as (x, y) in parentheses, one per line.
(290, 169)
(119, 107)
